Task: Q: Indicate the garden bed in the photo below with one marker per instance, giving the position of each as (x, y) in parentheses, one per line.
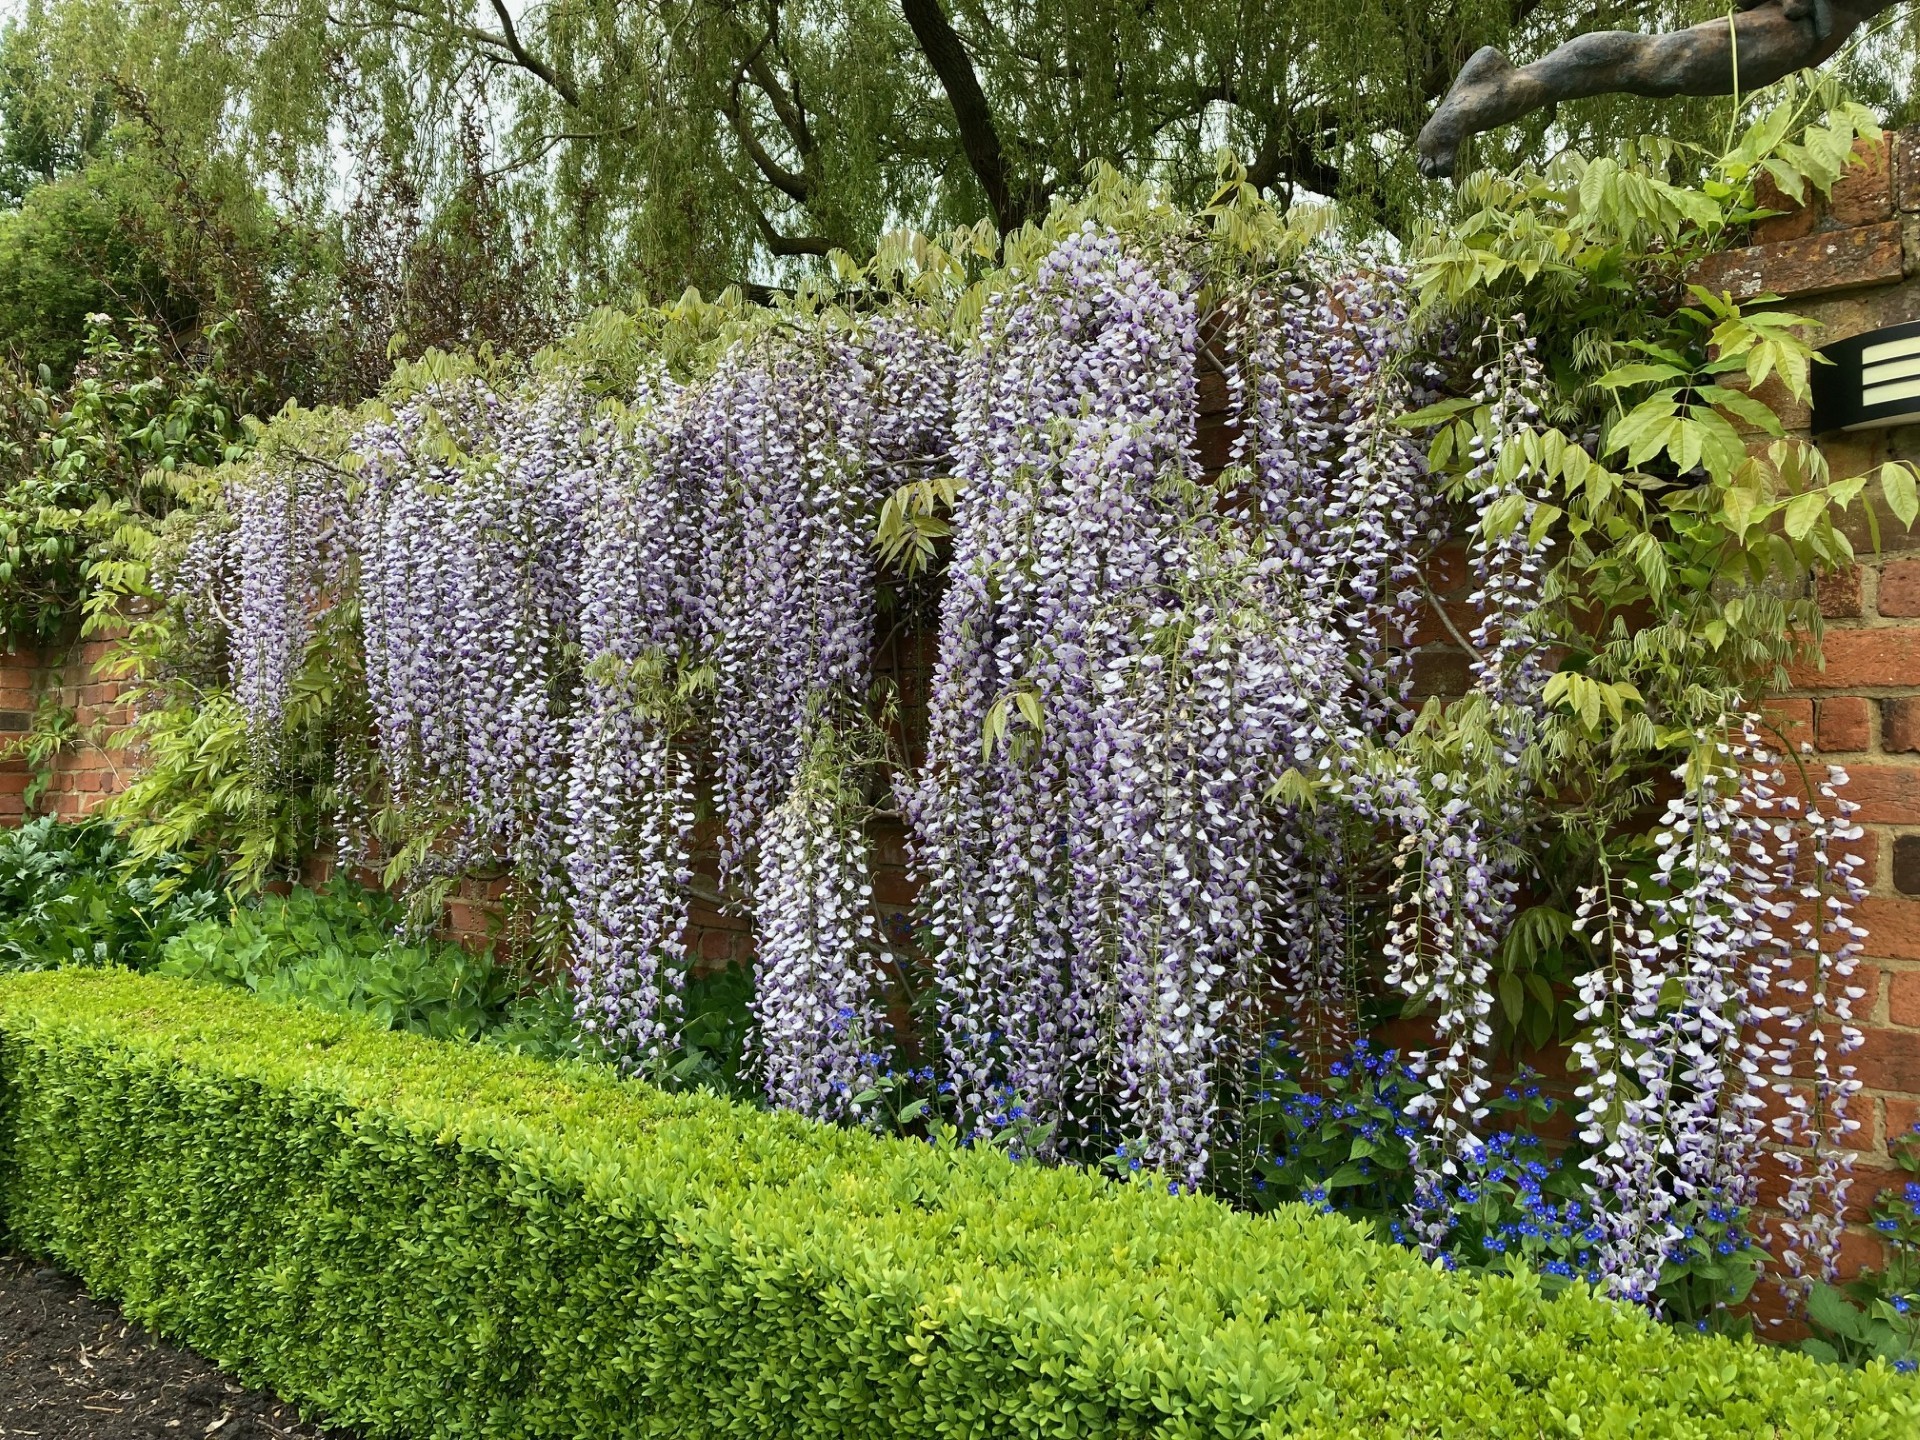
(72, 1368)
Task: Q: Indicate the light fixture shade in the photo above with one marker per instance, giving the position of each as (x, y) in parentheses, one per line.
(1872, 382)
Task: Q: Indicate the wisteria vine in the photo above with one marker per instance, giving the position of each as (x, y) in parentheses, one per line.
(1174, 770)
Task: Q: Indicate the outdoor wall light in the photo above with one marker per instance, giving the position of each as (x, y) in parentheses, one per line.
(1873, 382)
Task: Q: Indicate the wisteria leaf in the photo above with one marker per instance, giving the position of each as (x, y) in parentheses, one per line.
(1804, 512)
(1030, 711)
(1897, 484)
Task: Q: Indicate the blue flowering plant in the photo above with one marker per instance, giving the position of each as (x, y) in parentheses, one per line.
(1341, 1139)
(1878, 1313)
(1345, 1138)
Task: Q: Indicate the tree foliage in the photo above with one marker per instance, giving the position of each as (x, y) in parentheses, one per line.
(704, 142)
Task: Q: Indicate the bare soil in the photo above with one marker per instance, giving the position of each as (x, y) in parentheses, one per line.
(73, 1368)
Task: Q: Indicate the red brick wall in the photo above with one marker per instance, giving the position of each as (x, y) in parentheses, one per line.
(86, 770)
(1853, 264)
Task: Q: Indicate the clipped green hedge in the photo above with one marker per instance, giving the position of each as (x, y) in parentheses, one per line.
(422, 1239)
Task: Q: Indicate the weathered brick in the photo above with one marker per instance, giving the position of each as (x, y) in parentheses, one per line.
(1815, 265)
(1839, 594)
(1793, 718)
(1213, 446)
(1795, 221)
(1863, 195)
(1893, 926)
(1845, 723)
(1430, 626)
(1900, 1119)
(1898, 595)
(1906, 864)
(1884, 656)
(1889, 1060)
(1906, 169)
(1868, 848)
(1900, 725)
(1796, 218)
(1440, 671)
(466, 917)
(1792, 412)
(1903, 998)
(1869, 980)
(1211, 396)
(1869, 1181)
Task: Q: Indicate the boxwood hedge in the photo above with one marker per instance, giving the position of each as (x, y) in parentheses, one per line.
(419, 1239)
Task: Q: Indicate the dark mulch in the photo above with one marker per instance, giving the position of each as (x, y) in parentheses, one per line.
(72, 1368)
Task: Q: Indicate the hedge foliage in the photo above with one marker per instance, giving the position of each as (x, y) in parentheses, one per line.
(425, 1239)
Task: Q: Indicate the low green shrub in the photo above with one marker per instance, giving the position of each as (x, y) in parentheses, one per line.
(72, 894)
(345, 949)
(437, 1240)
(342, 949)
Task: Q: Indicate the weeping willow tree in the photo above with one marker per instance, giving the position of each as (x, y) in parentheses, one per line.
(660, 143)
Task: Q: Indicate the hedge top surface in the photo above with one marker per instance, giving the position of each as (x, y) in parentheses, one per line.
(1296, 1321)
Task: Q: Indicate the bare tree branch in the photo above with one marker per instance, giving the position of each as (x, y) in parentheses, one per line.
(1768, 40)
(979, 137)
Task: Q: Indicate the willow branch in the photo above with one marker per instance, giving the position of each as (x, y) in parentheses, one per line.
(531, 63)
(779, 244)
(1768, 40)
(979, 137)
(794, 184)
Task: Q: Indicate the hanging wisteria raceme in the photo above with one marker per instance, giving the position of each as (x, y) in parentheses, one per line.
(1455, 887)
(1224, 701)
(1811, 1030)
(519, 579)
(469, 546)
(1344, 491)
(1706, 1002)
(818, 423)
(290, 545)
(412, 543)
(201, 579)
(734, 549)
(1076, 410)
(1347, 502)
(1129, 666)
(645, 594)
(818, 984)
